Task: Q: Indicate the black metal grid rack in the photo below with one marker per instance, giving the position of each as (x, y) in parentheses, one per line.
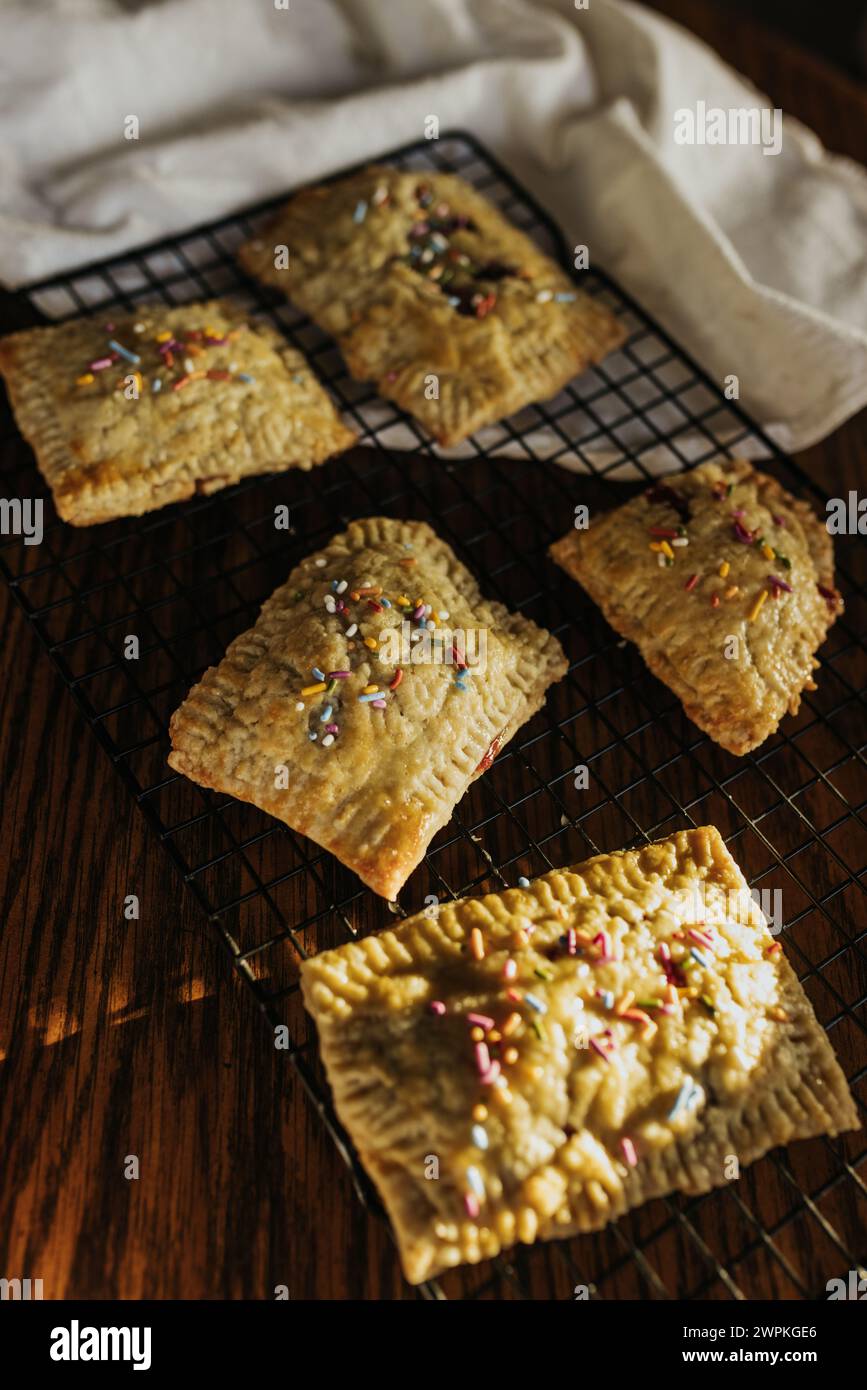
(187, 579)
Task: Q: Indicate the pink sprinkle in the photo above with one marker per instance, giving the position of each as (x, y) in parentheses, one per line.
(337, 675)
(109, 328)
(571, 942)
(780, 521)
(664, 951)
(510, 970)
(471, 1204)
(100, 364)
(377, 704)
(437, 1007)
(700, 937)
(391, 376)
(481, 1021)
(594, 1043)
(742, 534)
(627, 1148)
(332, 728)
(489, 1077)
(779, 583)
(483, 1058)
(601, 939)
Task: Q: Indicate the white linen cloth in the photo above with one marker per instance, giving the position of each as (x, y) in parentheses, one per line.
(756, 264)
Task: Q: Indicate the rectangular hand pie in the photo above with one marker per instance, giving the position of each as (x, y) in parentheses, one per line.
(725, 583)
(455, 314)
(375, 686)
(127, 416)
(534, 1063)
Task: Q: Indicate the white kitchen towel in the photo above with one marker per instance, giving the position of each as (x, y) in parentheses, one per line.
(755, 262)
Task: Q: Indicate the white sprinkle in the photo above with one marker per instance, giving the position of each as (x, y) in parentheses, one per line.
(443, 615)
(321, 563)
(543, 296)
(300, 705)
(328, 740)
(156, 385)
(138, 328)
(352, 629)
(680, 540)
(189, 364)
(330, 606)
(660, 560)
(312, 737)
(430, 624)
(523, 882)
(233, 366)
(342, 587)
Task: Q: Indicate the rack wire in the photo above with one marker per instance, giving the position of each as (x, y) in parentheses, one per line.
(187, 579)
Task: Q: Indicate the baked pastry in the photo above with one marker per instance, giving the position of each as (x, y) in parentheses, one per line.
(455, 314)
(375, 686)
(725, 583)
(534, 1063)
(128, 416)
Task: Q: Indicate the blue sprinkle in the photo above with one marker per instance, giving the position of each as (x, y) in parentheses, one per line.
(453, 300)
(474, 1178)
(523, 882)
(479, 1137)
(702, 960)
(535, 1003)
(245, 376)
(360, 211)
(564, 298)
(386, 603)
(686, 1096)
(298, 376)
(124, 352)
(312, 737)
(156, 384)
(320, 675)
(326, 714)
(366, 699)
(608, 998)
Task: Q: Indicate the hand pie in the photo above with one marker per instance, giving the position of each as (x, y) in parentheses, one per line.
(455, 314)
(375, 685)
(128, 416)
(725, 583)
(535, 1063)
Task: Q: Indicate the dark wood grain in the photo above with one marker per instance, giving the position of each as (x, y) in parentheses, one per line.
(120, 1038)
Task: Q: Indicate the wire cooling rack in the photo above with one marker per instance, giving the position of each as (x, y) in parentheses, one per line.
(187, 579)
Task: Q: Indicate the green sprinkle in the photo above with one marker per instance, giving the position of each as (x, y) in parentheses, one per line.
(537, 1029)
(707, 1003)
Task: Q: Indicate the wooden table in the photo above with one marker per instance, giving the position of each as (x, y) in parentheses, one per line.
(123, 1038)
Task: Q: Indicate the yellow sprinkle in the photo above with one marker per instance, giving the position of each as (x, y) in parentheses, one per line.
(724, 569)
(480, 1113)
(403, 601)
(779, 1015)
(767, 552)
(656, 546)
(314, 689)
(520, 939)
(371, 642)
(732, 591)
(477, 945)
(84, 380)
(667, 550)
(495, 1036)
(477, 1034)
(213, 333)
(624, 1002)
(164, 337)
(757, 606)
(503, 1095)
(510, 1055)
(512, 1022)
(370, 689)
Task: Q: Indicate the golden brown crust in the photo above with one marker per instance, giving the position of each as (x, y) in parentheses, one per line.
(736, 671)
(378, 260)
(108, 444)
(610, 1100)
(378, 780)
